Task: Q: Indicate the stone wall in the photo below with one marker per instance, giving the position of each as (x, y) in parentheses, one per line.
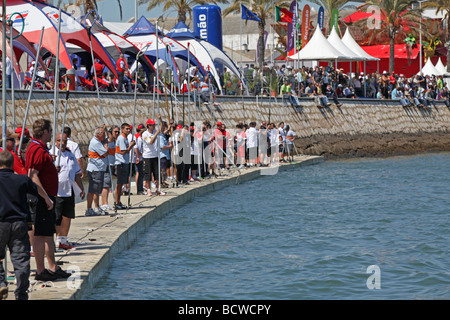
(357, 128)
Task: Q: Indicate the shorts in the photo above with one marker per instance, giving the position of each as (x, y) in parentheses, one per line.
(96, 181)
(165, 163)
(44, 224)
(289, 148)
(107, 182)
(123, 172)
(150, 167)
(280, 148)
(253, 153)
(64, 207)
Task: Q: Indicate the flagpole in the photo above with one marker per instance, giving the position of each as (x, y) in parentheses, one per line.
(240, 37)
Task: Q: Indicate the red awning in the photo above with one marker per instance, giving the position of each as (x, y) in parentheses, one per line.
(400, 51)
(359, 15)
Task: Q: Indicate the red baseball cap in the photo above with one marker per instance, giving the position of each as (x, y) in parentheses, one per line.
(150, 121)
(219, 123)
(140, 127)
(19, 131)
(179, 126)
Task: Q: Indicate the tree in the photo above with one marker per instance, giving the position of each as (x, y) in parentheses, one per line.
(264, 9)
(88, 5)
(444, 7)
(396, 16)
(182, 7)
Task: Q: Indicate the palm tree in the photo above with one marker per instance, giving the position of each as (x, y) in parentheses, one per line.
(329, 5)
(182, 7)
(444, 7)
(395, 16)
(88, 5)
(264, 9)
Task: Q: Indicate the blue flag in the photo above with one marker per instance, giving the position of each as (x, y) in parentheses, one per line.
(248, 15)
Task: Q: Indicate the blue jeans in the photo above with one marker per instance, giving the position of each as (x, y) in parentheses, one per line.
(15, 235)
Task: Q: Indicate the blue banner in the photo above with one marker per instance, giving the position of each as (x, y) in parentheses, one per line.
(320, 18)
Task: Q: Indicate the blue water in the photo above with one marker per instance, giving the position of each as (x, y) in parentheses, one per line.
(306, 233)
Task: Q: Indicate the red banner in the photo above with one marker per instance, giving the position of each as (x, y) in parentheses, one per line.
(305, 24)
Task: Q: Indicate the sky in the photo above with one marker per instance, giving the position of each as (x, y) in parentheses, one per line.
(109, 9)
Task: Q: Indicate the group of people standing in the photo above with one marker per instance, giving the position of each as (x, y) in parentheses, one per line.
(42, 180)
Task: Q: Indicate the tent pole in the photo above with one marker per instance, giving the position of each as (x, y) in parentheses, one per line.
(33, 79)
(4, 67)
(56, 94)
(13, 104)
(364, 79)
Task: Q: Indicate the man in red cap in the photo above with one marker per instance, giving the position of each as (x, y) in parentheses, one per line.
(11, 139)
(150, 155)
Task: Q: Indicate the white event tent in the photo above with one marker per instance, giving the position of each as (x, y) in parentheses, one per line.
(429, 69)
(337, 43)
(348, 40)
(320, 49)
(440, 67)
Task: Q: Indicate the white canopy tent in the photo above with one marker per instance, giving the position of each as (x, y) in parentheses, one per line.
(336, 42)
(319, 48)
(348, 40)
(440, 67)
(429, 69)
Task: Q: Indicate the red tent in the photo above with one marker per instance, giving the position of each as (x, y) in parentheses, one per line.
(39, 14)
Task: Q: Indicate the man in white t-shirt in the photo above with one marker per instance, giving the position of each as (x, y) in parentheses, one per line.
(150, 157)
(282, 143)
(74, 148)
(69, 185)
(252, 143)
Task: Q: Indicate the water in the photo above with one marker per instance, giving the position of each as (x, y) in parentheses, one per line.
(307, 233)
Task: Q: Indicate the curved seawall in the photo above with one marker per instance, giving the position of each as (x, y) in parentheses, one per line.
(358, 128)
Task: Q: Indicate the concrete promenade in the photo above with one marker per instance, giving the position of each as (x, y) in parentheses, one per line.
(99, 239)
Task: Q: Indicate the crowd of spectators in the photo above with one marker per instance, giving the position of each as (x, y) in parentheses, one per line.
(419, 89)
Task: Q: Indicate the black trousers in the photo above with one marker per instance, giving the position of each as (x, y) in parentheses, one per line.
(14, 235)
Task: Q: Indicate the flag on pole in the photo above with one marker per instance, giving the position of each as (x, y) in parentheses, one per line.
(320, 18)
(305, 24)
(290, 42)
(334, 19)
(248, 15)
(283, 15)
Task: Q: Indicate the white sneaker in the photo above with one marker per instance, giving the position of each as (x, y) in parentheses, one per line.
(106, 207)
(99, 212)
(89, 212)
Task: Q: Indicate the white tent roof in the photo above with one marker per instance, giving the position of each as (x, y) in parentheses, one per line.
(429, 69)
(348, 40)
(440, 67)
(336, 42)
(318, 48)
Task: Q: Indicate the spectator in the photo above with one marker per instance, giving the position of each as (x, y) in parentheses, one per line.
(69, 184)
(113, 133)
(14, 217)
(122, 163)
(96, 168)
(42, 171)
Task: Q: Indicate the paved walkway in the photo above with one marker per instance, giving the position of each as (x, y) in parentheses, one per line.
(99, 238)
